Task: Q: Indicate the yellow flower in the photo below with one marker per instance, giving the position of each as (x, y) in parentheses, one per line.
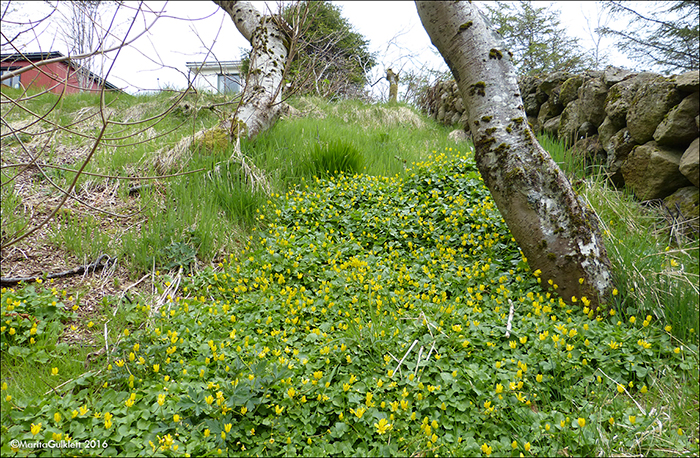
(161, 399)
(620, 388)
(209, 399)
(54, 371)
(244, 410)
(499, 388)
(486, 449)
(291, 392)
(278, 410)
(383, 426)
(176, 418)
(35, 429)
(207, 432)
(227, 427)
(581, 422)
(156, 367)
(527, 446)
(57, 417)
(539, 377)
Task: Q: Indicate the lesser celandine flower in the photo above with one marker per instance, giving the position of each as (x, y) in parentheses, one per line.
(632, 419)
(581, 422)
(35, 429)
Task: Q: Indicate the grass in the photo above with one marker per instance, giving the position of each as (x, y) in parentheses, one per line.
(363, 313)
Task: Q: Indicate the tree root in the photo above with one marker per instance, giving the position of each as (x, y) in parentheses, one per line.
(102, 261)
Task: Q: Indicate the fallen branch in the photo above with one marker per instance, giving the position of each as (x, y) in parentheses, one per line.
(510, 318)
(87, 268)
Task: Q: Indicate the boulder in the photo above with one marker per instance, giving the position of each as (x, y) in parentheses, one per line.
(651, 171)
(591, 96)
(458, 135)
(531, 105)
(620, 96)
(440, 114)
(459, 104)
(587, 129)
(569, 124)
(528, 84)
(613, 75)
(553, 80)
(618, 148)
(605, 131)
(683, 205)
(464, 121)
(649, 106)
(547, 112)
(689, 162)
(688, 81)
(569, 89)
(551, 127)
(678, 128)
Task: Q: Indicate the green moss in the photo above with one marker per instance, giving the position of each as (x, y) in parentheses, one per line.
(518, 120)
(465, 26)
(508, 129)
(477, 88)
(212, 140)
(551, 256)
(502, 148)
(486, 118)
(490, 130)
(476, 122)
(495, 54)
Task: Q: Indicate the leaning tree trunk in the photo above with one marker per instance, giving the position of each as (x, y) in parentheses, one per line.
(261, 104)
(556, 231)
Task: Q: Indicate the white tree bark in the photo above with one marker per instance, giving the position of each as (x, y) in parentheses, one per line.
(556, 231)
(261, 105)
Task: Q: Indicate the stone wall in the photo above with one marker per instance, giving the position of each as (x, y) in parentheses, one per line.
(643, 127)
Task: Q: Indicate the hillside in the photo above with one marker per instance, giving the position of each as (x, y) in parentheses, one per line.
(345, 287)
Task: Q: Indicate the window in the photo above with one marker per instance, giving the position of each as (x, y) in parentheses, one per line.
(14, 81)
(229, 83)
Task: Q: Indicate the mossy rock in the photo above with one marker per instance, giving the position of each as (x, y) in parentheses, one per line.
(569, 89)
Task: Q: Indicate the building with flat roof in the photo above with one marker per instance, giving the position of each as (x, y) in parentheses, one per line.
(222, 76)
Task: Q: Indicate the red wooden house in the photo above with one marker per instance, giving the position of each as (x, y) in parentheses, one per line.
(51, 71)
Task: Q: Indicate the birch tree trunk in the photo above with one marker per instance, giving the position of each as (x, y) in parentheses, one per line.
(556, 231)
(261, 104)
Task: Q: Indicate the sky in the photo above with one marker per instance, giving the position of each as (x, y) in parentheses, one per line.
(197, 31)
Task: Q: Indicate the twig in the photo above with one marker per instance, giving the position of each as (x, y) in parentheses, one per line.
(510, 318)
(641, 409)
(404, 357)
(76, 271)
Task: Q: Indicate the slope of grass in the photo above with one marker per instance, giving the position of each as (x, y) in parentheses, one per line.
(368, 316)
